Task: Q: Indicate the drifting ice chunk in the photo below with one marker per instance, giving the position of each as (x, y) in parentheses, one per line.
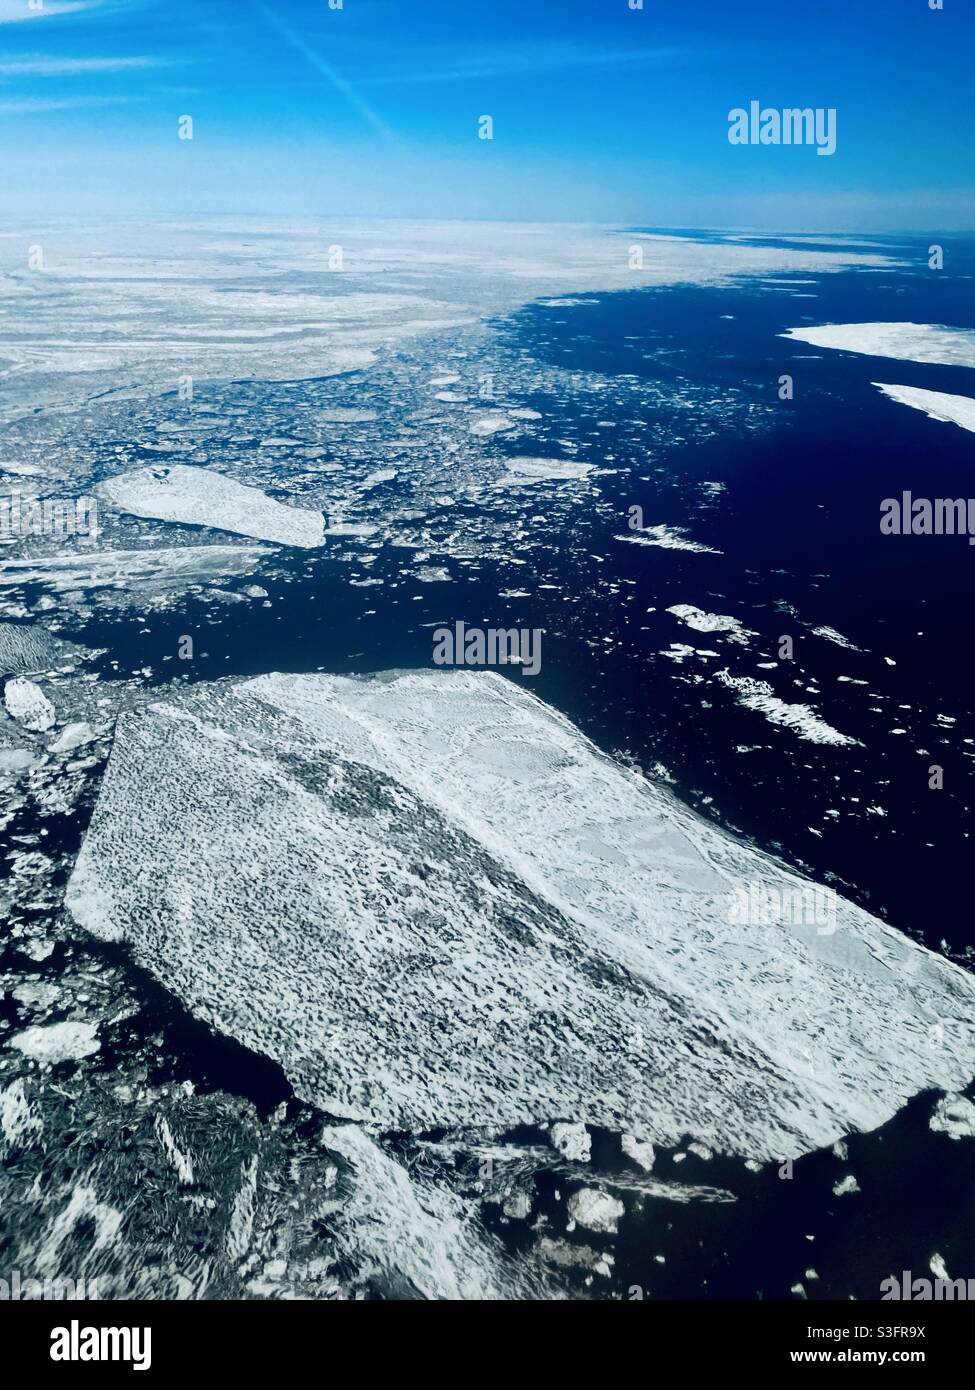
(939, 405)
(57, 1042)
(198, 497)
(144, 571)
(28, 703)
(435, 903)
(597, 1211)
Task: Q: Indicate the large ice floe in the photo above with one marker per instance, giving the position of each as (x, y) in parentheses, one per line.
(436, 904)
(134, 572)
(939, 405)
(908, 342)
(200, 497)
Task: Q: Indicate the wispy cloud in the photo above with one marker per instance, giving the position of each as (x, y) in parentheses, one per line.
(67, 67)
(29, 106)
(515, 60)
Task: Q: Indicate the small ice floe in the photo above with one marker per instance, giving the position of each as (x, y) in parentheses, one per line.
(196, 496)
(346, 415)
(57, 1042)
(638, 1151)
(845, 1186)
(831, 635)
(537, 470)
(801, 719)
(562, 1254)
(378, 477)
(72, 736)
(595, 1210)
(491, 422)
(668, 538)
(711, 622)
(517, 1206)
(954, 1116)
(27, 703)
(572, 1141)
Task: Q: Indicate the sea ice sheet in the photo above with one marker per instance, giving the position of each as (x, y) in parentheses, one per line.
(435, 903)
(909, 342)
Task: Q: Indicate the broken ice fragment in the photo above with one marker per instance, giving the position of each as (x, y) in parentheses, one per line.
(198, 497)
(28, 703)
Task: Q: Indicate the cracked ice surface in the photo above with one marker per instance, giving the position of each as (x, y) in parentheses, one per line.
(434, 902)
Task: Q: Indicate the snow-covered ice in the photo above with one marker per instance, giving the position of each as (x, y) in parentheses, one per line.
(435, 903)
(57, 1042)
(26, 702)
(908, 342)
(199, 497)
(801, 719)
(711, 622)
(939, 405)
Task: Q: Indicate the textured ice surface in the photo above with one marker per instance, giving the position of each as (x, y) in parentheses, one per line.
(119, 310)
(435, 903)
(57, 1042)
(198, 497)
(940, 405)
(597, 1211)
(910, 342)
(27, 702)
(954, 1116)
(27, 648)
(801, 719)
(536, 470)
(417, 1240)
(711, 622)
(140, 570)
(668, 538)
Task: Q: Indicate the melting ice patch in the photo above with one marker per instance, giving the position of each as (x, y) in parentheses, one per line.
(939, 405)
(198, 497)
(909, 342)
(435, 903)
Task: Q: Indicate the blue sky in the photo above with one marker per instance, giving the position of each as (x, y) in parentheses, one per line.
(601, 113)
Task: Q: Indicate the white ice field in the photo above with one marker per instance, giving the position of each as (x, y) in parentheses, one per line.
(436, 904)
